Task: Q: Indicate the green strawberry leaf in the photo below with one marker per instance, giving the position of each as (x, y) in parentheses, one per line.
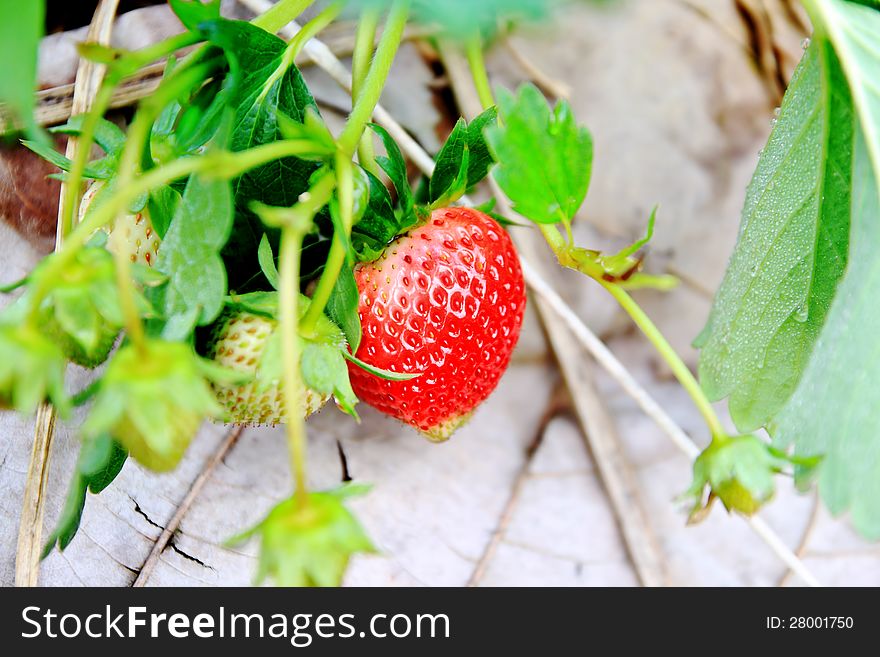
(100, 460)
(309, 544)
(152, 399)
(162, 205)
(323, 366)
(254, 57)
(833, 412)
(480, 155)
(791, 252)
(21, 28)
(544, 158)
(451, 169)
(107, 134)
(190, 254)
(101, 169)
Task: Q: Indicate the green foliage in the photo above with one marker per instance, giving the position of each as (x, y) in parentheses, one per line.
(544, 158)
(107, 135)
(190, 256)
(259, 110)
(309, 542)
(834, 410)
(21, 27)
(814, 391)
(463, 161)
(791, 252)
(100, 460)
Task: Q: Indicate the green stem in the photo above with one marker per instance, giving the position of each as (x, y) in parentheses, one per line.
(289, 260)
(554, 238)
(679, 369)
(295, 223)
(366, 103)
(560, 248)
(221, 164)
(479, 72)
(281, 14)
(298, 42)
(173, 87)
(346, 146)
(361, 59)
(101, 103)
(338, 253)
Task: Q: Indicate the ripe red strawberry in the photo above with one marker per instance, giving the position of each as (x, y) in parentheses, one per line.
(445, 300)
(141, 243)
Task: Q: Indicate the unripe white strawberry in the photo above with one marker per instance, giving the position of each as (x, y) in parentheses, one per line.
(141, 243)
(239, 343)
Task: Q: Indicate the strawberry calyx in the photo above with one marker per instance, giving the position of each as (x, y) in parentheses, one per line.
(310, 542)
(31, 370)
(152, 400)
(81, 311)
(738, 471)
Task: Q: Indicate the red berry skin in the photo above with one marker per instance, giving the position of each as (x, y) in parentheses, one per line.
(446, 301)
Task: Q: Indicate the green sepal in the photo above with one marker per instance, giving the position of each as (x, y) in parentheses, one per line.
(309, 542)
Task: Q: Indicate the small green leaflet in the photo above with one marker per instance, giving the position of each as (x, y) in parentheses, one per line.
(267, 262)
(342, 307)
(190, 255)
(21, 27)
(463, 161)
(791, 252)
(100, 460)
(378, 225)
(834, 410)
(324, 371)
(395, 168)
(544, 158)
(449, 181)
(108, 135)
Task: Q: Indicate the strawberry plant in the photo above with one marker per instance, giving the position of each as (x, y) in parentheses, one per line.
(234, 260)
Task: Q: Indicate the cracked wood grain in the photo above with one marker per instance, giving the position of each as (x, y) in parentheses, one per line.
(165, 538)
(89, 76)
